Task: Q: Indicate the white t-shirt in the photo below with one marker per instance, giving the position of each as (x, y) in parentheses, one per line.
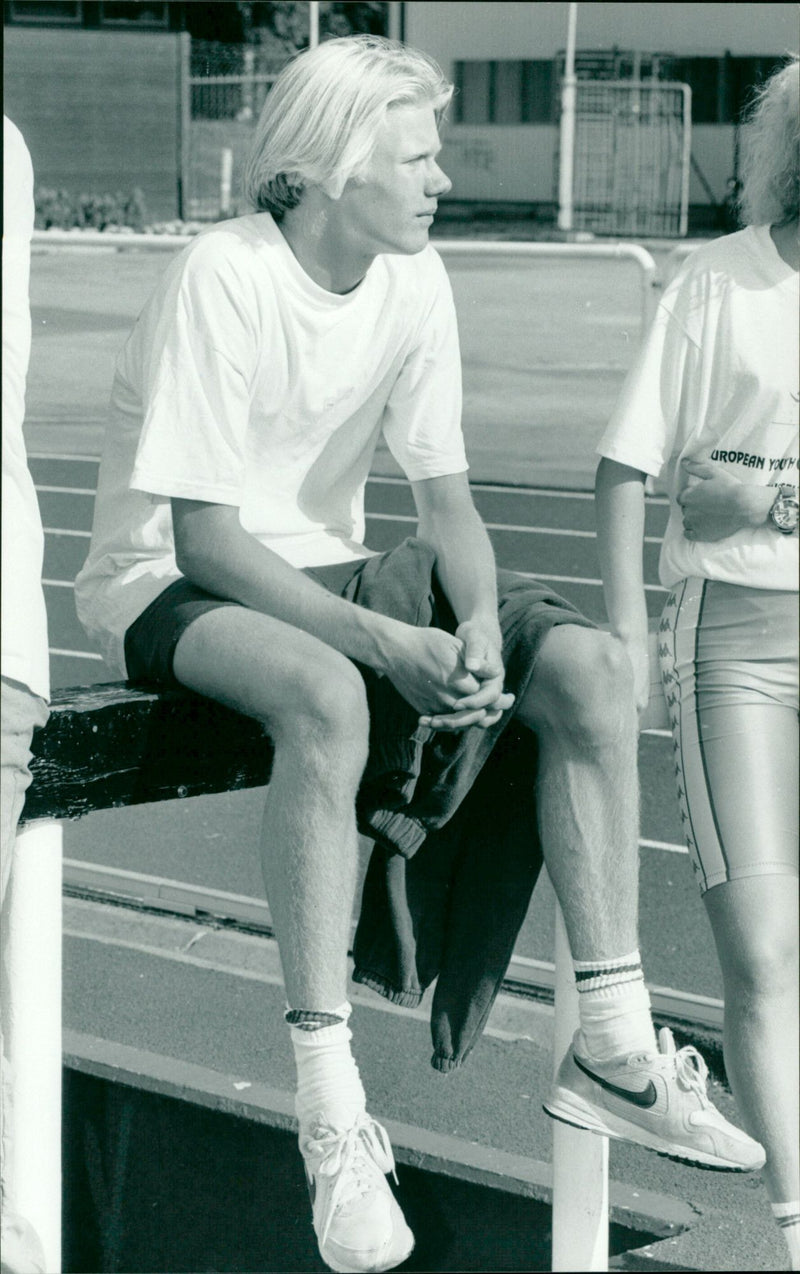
(245, 383)
(717, 379)
(25, 655)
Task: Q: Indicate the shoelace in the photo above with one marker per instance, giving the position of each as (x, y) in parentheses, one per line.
(692, 1071)
(337, 1154)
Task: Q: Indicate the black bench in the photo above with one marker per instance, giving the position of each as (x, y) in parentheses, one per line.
(111, 745)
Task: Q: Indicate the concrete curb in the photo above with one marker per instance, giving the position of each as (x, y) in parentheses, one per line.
(416, 1147)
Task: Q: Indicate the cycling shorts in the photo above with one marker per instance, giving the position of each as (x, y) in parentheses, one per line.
(728, 657)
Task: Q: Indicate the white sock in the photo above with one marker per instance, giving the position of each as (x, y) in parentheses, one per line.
(328, 1083)
(614, 1007)
(788, 1217)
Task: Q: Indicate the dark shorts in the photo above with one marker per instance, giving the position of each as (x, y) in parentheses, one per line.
(420, 772)
(151, 640)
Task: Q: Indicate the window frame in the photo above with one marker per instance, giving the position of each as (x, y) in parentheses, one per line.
(39, 18)
(492, 94)
(134, 24)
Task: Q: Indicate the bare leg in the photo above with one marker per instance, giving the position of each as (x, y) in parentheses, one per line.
(312, 701)
(740, 779)
(580, 706)
(755, 924)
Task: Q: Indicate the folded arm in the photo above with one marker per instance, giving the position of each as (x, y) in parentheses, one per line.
(716, 504)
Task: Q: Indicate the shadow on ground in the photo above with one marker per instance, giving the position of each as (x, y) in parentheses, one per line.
(156, 1184)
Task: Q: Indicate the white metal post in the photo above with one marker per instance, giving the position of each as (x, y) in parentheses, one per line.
(31, 995)
(225, 180)
(185, 125)
(313, 24)
(395, 20)
(566, 161)
(687, 158)
(580, 1159)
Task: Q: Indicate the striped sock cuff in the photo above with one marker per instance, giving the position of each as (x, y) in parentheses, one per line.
(317, 1019)
(593, 975)
(786, 1214)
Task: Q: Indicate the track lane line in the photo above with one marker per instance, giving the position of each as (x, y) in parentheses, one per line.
(505, 526)
(75, 654)
(48, 490)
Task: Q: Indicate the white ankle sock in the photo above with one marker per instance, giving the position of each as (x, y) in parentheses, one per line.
(328, 1082)
(614, 1007)
(787, 1216)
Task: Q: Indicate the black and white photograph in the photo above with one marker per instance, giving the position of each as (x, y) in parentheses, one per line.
(399, 614)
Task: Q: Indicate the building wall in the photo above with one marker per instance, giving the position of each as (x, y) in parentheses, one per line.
(512, 163)
(473, 29)
(498, 162)
(100, 110)
(517, 163)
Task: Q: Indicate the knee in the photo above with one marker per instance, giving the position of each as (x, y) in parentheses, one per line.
(586, 687)
(762, 966)
(328, 711)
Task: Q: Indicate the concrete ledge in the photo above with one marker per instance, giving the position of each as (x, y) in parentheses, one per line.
(416, 1147)
(176, 1007)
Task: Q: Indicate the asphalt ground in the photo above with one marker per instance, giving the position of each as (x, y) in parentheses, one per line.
(531, 420)
(189, 1010)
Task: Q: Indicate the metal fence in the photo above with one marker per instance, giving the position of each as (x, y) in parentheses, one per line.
(632, 156)
(224, 87)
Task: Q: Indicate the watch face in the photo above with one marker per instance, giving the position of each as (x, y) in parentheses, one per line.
(784, 514)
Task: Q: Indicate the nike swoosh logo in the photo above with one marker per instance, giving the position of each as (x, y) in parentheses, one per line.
(645, 1098)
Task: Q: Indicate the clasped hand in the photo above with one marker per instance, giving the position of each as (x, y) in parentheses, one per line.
(453, 680)
(716, 504)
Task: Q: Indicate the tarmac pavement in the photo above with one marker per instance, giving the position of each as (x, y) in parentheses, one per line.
(190, 1010)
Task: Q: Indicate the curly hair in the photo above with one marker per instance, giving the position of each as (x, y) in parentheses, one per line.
(322, 116)
(771, 148)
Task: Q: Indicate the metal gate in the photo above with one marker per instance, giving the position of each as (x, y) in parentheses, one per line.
(632, 157)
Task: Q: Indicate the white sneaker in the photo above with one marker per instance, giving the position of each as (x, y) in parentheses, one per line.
(658, 1100)
(357, 1220)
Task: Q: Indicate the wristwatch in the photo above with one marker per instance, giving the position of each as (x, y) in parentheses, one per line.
(785, 508)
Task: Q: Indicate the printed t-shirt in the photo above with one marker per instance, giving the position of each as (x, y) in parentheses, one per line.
(25, 656)
(717, 379)
(245, 383)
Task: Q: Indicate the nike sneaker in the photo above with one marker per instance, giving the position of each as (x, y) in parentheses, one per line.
(357, 1220)
(658, 1100)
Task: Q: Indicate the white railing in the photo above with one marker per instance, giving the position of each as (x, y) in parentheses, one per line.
(649, 280)
(598, 251)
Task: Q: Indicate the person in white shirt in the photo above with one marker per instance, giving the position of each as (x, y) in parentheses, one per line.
(712, 404)
(23, 623)
(228, 557)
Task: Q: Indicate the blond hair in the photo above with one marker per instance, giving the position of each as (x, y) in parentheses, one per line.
(771, 145)
(324, 112)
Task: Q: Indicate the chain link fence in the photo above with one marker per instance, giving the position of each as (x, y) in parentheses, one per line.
(632, 155)
(224, 87)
